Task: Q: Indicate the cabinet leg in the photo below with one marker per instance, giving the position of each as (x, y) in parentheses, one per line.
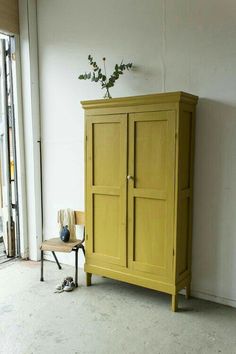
(188, 291)
(174, 304)
(88, 279)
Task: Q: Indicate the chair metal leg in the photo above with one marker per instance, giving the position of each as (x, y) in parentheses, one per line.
(82, 246)
(41, 278)
(55, 257)
(76, 267)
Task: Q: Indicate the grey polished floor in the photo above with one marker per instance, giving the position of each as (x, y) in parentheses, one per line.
(108, 317)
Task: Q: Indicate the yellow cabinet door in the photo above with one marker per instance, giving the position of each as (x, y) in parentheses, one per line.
(151, 170)
(106, 189)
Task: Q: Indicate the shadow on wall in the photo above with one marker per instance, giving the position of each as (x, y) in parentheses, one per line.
(214, 219)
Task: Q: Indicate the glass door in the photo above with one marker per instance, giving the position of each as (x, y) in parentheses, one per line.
(9, 230)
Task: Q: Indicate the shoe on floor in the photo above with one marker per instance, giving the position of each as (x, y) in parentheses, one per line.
(59, 291)
(69, 286)
(64, 283)
(68, 279)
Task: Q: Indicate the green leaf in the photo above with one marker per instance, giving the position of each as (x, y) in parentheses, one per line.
(81, 77)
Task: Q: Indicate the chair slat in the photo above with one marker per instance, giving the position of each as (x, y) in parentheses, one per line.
(56, 245)
(79, 217)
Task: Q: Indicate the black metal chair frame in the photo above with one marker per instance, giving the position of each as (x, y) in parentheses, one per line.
(75, 249)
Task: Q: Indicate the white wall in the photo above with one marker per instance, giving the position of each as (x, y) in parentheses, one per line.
(186, 45)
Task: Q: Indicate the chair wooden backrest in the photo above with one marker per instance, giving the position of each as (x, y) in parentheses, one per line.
(79, 217)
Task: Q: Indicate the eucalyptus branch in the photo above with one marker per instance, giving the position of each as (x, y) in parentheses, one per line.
(97, 76)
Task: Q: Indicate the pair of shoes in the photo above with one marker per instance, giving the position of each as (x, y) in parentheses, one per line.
(67, 285)
(64, 283)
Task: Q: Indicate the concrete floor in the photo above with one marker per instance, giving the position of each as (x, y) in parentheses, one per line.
(109, 317)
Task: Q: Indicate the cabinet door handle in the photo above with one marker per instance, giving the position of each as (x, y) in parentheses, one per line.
(130, 177)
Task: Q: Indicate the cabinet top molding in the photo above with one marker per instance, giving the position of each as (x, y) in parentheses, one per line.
(168, 97)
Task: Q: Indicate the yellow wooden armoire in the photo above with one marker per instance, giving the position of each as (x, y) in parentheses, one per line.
(139, 189)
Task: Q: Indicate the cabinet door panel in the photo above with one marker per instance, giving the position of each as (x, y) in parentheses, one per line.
(106, 188)
(150, 227)
(151, 192)
(106, 154)
(150, 154)
(106, 225)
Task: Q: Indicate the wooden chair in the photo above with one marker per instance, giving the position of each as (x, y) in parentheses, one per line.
(56, 245)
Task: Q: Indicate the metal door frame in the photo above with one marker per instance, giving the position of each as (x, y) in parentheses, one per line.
(11, 98)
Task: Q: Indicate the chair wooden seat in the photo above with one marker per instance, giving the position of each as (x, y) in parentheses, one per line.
(57, 245)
